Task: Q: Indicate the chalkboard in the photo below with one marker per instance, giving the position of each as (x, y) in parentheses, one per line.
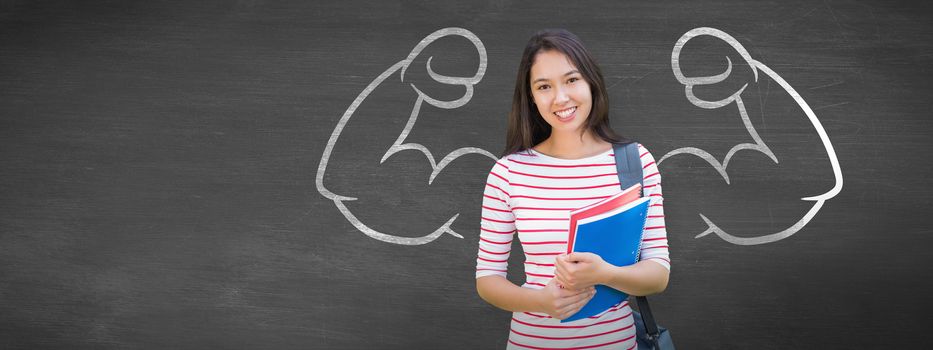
(295, 174)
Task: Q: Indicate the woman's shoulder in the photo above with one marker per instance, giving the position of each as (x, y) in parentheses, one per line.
(642, 149)
(518, 156)
(504, 163)
(643, 152)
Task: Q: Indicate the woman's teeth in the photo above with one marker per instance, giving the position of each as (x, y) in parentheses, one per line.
(565, 113)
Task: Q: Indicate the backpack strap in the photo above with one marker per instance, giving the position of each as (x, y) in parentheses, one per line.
(628, 165)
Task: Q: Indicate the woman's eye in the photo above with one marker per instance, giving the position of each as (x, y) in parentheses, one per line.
(543, 87)
(573, 80)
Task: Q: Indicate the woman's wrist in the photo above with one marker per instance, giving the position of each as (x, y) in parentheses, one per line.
(612, 274)
(537, 300)
(606, 272)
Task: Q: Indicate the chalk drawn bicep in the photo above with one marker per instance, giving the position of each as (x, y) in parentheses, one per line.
(732, 101)
(406, 116)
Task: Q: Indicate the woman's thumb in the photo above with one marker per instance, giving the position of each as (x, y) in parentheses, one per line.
(577, 257)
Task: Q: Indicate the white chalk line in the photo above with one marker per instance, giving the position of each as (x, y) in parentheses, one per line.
(759, 145)
(400, 144)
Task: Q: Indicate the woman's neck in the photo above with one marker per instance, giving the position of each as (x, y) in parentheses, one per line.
(572, 145)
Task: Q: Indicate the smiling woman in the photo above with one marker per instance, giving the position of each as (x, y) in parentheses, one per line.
(557, 61)
(564, 100)
(559, 158)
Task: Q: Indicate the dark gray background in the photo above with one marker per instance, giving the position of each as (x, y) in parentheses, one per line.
(159, 158)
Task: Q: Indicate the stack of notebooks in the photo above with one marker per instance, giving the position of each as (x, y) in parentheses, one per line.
(612, 229)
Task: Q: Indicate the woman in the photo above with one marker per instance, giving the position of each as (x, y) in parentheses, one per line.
(558, 158)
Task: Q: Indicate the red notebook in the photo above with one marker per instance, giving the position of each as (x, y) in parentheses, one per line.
(605, 205)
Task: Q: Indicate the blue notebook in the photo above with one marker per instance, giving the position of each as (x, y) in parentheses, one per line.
(615, 236)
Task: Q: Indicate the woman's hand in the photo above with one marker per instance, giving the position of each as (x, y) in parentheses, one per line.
(561, 303)
(580, 270)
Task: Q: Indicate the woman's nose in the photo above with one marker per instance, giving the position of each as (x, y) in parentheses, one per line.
(561, 97)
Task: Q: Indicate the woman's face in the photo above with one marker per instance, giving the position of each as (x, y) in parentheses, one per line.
(560, 93)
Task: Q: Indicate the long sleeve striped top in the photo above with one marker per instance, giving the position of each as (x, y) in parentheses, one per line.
(531, 194)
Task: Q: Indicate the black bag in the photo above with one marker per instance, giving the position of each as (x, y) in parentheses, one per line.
(647, 332)
(649, 335)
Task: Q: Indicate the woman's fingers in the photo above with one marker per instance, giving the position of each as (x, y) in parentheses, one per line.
(565, 298)
(569, 293)
(562, 272)
(565, 302)
(576, 303)
(559, 267)
(583, 296)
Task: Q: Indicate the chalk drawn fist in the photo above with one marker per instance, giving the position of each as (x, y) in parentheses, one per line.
(403, 98)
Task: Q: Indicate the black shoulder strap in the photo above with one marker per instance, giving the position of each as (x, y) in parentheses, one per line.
(628, 165)
(651, 327)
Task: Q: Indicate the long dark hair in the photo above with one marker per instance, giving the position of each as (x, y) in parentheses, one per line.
(526, 126)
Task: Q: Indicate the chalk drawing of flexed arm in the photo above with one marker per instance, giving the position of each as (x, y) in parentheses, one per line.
(400, 143)
(759, 145)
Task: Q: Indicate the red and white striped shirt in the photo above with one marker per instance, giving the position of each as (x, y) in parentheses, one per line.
(532, 194)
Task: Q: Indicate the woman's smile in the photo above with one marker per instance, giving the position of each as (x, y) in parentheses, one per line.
(566, 115)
